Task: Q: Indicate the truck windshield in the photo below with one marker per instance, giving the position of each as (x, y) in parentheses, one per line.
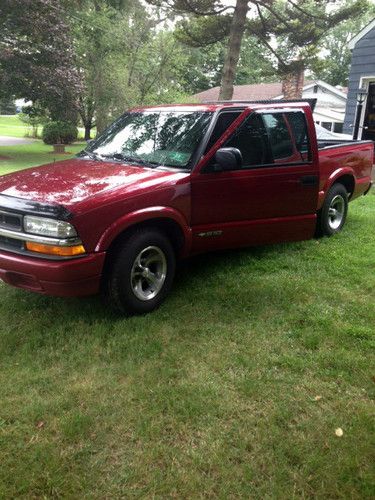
(167, 138)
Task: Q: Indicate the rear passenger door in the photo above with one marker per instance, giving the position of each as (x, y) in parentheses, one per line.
(274, 194)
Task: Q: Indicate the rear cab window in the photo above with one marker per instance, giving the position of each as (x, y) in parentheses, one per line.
(280, 140)
(298, 125)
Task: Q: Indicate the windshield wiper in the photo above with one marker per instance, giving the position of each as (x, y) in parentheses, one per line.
(131, 159)
(92, 155)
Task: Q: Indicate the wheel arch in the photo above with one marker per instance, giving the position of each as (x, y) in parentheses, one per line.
(167, 220)
(325, 225)
(346, 177)
(348, 181)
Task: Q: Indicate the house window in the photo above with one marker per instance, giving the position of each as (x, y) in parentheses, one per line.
(315, 89)
(327, 125)
(338, 127)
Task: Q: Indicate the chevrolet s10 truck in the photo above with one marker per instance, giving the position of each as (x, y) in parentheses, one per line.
(164, 183)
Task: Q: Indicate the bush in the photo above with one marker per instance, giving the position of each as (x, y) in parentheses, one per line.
(59, 133)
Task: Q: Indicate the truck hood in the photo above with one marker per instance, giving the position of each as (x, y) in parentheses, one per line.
(71, 182)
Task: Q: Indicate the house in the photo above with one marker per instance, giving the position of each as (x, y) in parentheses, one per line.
(362, 75)
(329, 110)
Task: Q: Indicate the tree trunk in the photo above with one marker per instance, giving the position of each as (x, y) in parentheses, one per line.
(236, 33)
(88, 127)
(101, 119)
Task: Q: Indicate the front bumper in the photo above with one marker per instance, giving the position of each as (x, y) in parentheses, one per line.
(65, 278)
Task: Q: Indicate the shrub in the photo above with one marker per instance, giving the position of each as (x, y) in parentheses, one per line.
(59, 133)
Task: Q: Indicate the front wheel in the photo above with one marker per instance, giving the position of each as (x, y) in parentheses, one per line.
(333, 214)
(141, 272)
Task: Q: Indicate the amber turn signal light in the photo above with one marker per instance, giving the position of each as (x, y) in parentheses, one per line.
(55, 250)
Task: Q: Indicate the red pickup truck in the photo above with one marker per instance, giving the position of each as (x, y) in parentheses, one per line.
(163, 183)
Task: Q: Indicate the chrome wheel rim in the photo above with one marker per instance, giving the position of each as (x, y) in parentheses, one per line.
(148, 273)
(336, 212)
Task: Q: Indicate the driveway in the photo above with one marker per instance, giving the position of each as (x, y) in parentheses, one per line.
(14, 141)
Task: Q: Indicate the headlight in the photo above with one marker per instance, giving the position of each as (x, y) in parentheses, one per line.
(48, 227)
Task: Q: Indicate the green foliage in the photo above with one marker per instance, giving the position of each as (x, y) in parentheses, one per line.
(36, 60)
(299, 27)
(255, 65)
(100, 57)
(59, 133)
(125, 60)
(334, 66)
(33, 115)
(7, 106)
(296, 26)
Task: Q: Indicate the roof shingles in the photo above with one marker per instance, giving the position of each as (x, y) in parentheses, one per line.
(254, 92)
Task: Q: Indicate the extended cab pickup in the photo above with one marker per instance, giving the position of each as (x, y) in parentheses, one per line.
(164, 183)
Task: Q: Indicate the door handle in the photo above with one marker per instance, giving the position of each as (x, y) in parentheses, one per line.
(309, 180)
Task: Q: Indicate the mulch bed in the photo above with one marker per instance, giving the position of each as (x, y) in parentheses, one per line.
(4, 157)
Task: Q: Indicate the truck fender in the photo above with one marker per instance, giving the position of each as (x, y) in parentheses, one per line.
(143, 215)
(335, 175)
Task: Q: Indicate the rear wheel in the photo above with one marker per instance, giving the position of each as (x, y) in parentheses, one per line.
(333, 214)
(141, 272)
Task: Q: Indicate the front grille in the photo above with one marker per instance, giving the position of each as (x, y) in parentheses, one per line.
(10, 221)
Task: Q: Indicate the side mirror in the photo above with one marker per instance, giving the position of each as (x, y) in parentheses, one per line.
(227, 159)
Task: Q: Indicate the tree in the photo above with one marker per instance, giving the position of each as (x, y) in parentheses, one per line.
(236, 33)
(7, 106)
(123, 59)
(334, 66)
(213, 22)
(98, 40)
(33, 115)
(36, 58)
(297, 26)
(200, 68)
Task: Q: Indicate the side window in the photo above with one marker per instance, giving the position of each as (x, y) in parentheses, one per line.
(251, 140)
(279, 137)
(224, 121)
(297, 122)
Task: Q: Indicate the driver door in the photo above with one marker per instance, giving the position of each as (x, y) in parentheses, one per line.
(271, 198)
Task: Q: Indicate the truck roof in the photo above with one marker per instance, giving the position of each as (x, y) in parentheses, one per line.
(219, 105)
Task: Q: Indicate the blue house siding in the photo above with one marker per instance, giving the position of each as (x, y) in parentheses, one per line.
(363, 64)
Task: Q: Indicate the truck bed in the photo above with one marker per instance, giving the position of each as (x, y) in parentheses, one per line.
(331, 143)
(354, 158)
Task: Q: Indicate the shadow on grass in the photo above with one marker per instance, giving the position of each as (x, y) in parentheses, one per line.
(200, 267)
(226, 290)
(196, 268)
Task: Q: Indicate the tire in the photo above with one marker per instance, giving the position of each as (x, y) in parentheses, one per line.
(332, 216)
(140, 273)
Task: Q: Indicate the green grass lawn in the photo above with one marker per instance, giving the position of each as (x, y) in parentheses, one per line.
(12, 126)
(232, 389)
(30, 155)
